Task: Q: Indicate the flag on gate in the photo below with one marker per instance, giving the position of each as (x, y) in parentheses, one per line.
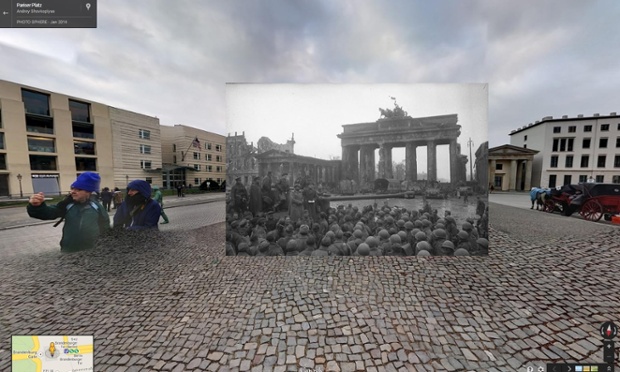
(196, 143)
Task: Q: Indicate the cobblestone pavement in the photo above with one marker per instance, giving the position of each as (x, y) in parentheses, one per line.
(175, 303)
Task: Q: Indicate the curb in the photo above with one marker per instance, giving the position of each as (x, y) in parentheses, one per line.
(170, 207)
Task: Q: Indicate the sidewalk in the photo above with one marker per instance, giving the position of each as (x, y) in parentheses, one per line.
(11, 218)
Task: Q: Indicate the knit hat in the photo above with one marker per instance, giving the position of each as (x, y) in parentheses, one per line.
(87, 181)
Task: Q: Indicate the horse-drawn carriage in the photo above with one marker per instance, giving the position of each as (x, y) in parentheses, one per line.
(592, 200)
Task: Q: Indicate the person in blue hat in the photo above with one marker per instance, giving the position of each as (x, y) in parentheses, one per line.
(85, 218)
(138, 211)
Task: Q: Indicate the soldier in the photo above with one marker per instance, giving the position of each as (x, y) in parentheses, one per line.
(239, 196)
(256, 197)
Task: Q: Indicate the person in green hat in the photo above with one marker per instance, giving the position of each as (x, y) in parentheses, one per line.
(158, 197)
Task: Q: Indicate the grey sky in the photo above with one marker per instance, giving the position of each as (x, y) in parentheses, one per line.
(172, 59)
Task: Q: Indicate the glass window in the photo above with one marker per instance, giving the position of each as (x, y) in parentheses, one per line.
(40, 144)
(36, 103)
(587, 128)
(617, 161)
(145, 164)
(3, 161)
(499, 166)
(604, 127)
(196, 156)
(209, 158)
(615, 179)
(209, 168)
(41, 162)
(85, 164)
(570, 144)
(149, 180)
(567, 179)
(552, 180)
(554, 161)
(555, 144)
(80, 111)
(600, 178)
(174, 148)
(525, 138)
(585, 159)
(572, 129)
(617, 142)
(174, 159)
(145, 134)
(218, 158)
(601, 161)
(602, 143)
(557, 129)
(145, 149)
(36, 124)
(563, 144)
(583, 178)
(196, 181)
(1, 141)
(569, 161)
(218, 169)
(1, 119)
(524, 146)
(586, 143)
(197, 167)
(208, 146)
(218, 148)
(83, 148)
(83, 130)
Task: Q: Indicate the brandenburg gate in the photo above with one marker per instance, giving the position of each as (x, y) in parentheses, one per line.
(359, 142)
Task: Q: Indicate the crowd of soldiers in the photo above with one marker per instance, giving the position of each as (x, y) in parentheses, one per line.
(311, 228)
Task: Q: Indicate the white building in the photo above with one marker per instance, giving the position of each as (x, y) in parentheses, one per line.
(572, 150)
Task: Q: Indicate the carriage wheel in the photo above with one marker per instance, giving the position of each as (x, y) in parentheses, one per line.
(592, 210)
(549, 206)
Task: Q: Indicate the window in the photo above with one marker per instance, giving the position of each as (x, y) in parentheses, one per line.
(82, 130)
(196, 156)
(572, 129)
(1, 141)
(570, 144)
(196, 181)
(563, 144)
(583, 178)
(569, 162)
(600, 178)
(554, 161)
(174, 159)
(615, 179)
(557, 129)
(83, 148)
(525, 138)
(586, 143)
(3, 161)
(601, 161)
(145, 164)
(36, 103)
(209, 157)
(197, 167)
(567, 179)
(585, 160)
(218, 169)
(144, 134)
(41, 144)
(587, 128)
(618, 129)
(602, 143)
(524, 146)
(1, 120)
(617, 161)
(497, 182)
(552, 180)
(174, 148)
(37, 124)
(85, 164)
(617, 142)
(80, 111)
(604, 127)
(40, 162)
(218, 158)
(209, 168)
(208, 145)
(556, 141)
(149, 180)
(218, 148)
(499, 166)
(145, 149)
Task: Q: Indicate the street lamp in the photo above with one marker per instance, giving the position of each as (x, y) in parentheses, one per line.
(21, 192)
(127, 179)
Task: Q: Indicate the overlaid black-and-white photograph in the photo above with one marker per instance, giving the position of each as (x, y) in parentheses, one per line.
(357, 170)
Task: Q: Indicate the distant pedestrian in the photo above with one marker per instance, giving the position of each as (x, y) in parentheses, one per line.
(180, 190)
(85, 219)
(158, 197)
(239, 196)
(256, 197)
(117, 197)
(138, 211)
(106, 198)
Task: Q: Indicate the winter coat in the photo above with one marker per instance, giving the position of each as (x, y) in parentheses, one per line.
(84, 222)
(140, 217)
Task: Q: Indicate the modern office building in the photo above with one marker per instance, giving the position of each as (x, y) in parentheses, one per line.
(192, 156)
(572, 150)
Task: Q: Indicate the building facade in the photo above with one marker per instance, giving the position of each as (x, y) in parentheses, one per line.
(241, 159)
(572, 150)
(510, 168)
(47, 139)
(189, 162)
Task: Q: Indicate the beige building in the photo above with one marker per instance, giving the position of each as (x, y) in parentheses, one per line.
(189, 162)
(510, 168)
(47, 139)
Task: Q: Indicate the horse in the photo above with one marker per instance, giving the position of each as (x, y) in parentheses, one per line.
(536, 196)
